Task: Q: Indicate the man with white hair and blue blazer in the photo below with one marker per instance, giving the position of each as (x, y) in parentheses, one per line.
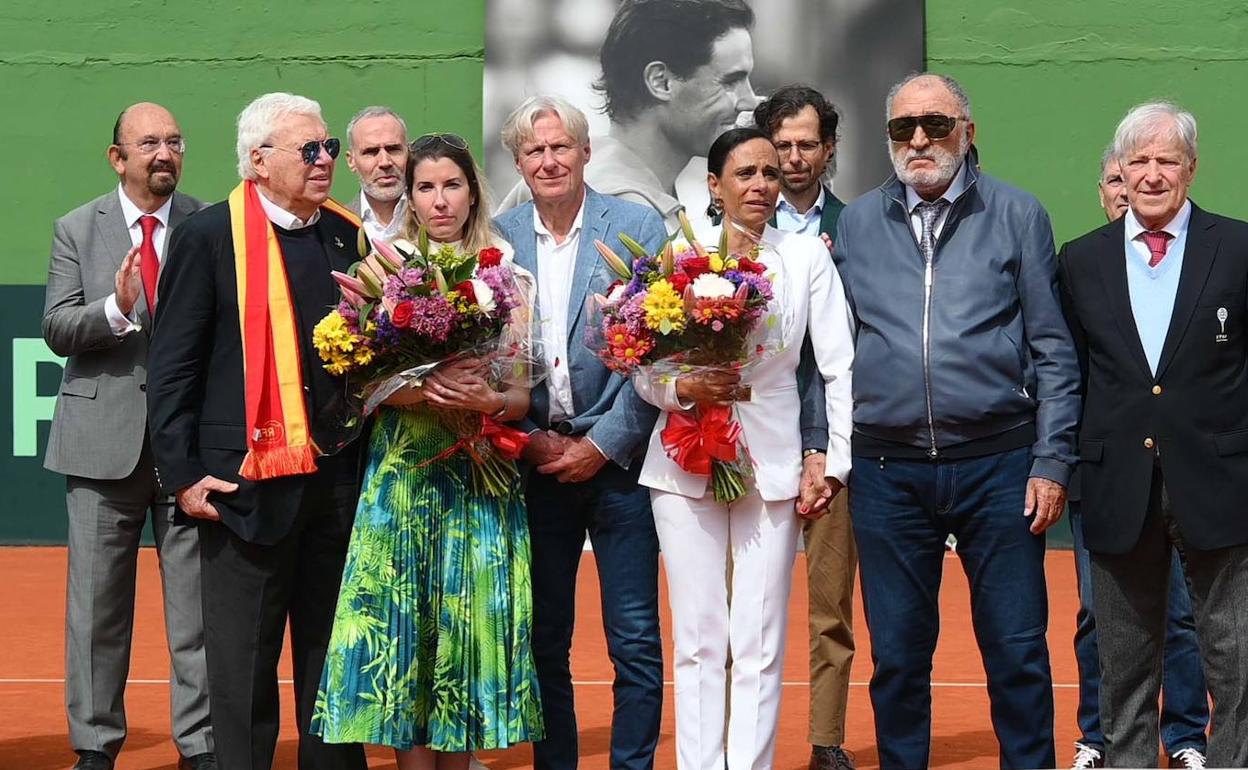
(588, 430)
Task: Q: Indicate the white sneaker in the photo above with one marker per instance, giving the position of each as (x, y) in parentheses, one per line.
(475, 764)
(1086, 757)
(1188, 758)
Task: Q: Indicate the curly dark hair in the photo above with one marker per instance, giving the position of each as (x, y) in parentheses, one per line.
(679, 33)
(789, 100)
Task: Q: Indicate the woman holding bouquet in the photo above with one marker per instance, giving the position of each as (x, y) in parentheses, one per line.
(430, 652)
(728, 564)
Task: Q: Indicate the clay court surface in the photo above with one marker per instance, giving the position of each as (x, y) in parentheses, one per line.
(33, 729)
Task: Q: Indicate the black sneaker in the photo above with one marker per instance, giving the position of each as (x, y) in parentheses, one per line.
(1189, 758)
(93, 760)
(1086, 757)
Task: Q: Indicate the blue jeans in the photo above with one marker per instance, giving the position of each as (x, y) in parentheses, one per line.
(902, 511)
(615, 512)
(1184, 705)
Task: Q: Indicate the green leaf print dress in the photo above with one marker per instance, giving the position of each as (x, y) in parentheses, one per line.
(431, 640)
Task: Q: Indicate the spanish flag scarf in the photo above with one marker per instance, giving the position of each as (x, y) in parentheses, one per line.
(279, 439)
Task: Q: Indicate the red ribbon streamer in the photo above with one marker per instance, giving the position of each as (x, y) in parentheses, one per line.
(508, 441)
(694, 442)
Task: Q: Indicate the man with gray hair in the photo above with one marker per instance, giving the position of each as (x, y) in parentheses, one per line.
(1157, 301)
(244, 421)
(588, 433)
(377, 154)
(965, 406)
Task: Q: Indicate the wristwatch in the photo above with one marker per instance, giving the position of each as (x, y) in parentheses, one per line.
(808, 452)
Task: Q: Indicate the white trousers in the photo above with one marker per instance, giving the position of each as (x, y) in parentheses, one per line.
(729, 571)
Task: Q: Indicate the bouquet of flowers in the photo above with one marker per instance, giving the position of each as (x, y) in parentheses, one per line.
(684, 309)
(407, 310)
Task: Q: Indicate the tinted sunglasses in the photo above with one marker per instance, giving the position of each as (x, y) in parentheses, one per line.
(934, 126)
(310, 151)
(450, 140)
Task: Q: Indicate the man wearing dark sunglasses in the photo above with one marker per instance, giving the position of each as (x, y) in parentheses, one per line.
(243, 433)
(965, 406)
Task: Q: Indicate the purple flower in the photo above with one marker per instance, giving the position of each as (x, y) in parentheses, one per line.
(433, 317)
(502, 283)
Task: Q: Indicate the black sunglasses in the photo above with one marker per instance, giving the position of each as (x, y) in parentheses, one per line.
(311, 150)
(451, 140)
(934, 126)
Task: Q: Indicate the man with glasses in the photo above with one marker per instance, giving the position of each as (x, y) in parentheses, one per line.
(802, 125)
(588, 433)
(100, 294)
(377, 155)
(247, 425)
(966, 401)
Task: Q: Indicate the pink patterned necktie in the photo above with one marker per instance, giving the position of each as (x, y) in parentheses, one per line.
(1157, 242)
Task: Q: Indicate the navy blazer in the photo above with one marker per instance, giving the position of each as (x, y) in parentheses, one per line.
(607, 408)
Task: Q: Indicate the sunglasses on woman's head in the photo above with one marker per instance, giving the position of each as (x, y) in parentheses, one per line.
(451, 140)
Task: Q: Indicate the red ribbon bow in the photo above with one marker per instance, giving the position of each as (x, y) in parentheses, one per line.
(694, 442)
(508, 441)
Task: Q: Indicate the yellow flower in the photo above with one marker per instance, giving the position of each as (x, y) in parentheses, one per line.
(337, 346)
(732, 263)
(665, 310)
(717, 263)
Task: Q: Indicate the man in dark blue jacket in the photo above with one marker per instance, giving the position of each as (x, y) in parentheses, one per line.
(965, 406)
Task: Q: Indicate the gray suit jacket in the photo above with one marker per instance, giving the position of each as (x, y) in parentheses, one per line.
(100, 420)
(607, 407)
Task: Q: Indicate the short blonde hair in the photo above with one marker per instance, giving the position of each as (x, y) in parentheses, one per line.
(518, 128)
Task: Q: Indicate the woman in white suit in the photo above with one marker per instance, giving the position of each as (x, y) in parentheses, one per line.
(729, 564)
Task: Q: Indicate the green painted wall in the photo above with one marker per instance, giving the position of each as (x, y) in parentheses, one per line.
(66, 70)
(1048, 81)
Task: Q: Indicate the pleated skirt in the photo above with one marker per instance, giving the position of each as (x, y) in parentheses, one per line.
(431, 639)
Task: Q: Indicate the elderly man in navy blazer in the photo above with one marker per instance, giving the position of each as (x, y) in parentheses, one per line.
(588, 431)
(1156, 301)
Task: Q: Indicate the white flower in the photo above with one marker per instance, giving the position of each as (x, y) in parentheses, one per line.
(484, 295)
(711, 286)
(617, 293)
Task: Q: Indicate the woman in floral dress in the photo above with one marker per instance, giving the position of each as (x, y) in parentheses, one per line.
(430, 651)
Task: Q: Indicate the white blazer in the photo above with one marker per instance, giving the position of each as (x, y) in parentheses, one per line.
(808, 288)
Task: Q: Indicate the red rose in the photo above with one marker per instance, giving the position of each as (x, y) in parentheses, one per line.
(465, 290)
(695, 266)
(402, 315)
(489, 257)
(679, 281)
(747, 265)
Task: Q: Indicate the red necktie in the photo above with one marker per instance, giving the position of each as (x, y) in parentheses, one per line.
(149, 265)
(1157, 242)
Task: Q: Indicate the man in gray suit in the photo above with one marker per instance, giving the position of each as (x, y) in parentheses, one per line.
(588, 430)
(101, 289)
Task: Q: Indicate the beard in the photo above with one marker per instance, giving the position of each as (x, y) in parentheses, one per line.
(947, 164)
(164, 184)
(379, 193)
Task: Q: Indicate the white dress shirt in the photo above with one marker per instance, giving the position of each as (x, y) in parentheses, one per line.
(283, 218)
(556, 263)
(120, 323)
(373, 227)
(913, 199)
(789, 219)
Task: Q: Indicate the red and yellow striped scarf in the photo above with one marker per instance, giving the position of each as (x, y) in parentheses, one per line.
(279, 438)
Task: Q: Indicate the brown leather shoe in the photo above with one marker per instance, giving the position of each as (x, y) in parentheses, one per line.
(831, 758)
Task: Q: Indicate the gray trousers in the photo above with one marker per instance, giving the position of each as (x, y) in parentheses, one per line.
(1130, 591)
(106, 520)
